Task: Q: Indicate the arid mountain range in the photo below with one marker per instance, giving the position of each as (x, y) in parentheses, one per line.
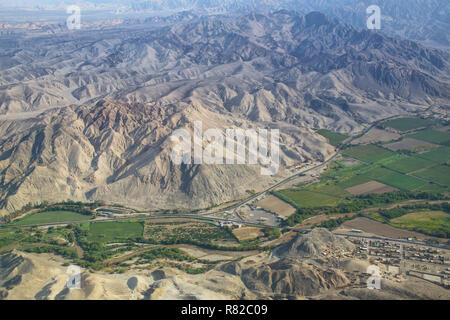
(117, 93)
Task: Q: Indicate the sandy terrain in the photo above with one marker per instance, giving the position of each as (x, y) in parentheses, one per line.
(276, 205)
(214, 255)
(376, 135)
(247, 233)
(370, 187)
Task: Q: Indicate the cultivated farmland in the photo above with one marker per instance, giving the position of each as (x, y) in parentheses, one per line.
(411, 145)
(370, 187)
(380, 229)
(428, 222)
(402, 181)
(51, 217)
(367, 153)
(410, 164)
(433, 136)
(276, 205)
(304, 198)
(115, 231)
(438, 174)
(376, 135)
(406, 124)
(440, 155)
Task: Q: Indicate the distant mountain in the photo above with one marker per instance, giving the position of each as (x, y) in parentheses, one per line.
(320, 62)
(421, 20)
(121, 153)
(130, 86)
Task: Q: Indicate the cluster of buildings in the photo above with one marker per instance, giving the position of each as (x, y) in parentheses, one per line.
(429, 263)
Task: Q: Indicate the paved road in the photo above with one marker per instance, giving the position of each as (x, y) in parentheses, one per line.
(140, 217)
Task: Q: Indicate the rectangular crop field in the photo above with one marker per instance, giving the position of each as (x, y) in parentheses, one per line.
(353, 181)
(433, 136)
(413, 145)
(334, 138)
(441, 155)
(429, 222)
(410, 164)
(439, 174)
(115, 231)
(401, 181)
(51, 216)
(370, 187)
(332, 190)
(406, 124)
(368, 153)
(377, 173)
(274, 204)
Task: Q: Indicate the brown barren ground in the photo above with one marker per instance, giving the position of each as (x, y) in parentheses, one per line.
(376, 135)
(370, 187)
(276, 205)
(247, 233)
(409, 144)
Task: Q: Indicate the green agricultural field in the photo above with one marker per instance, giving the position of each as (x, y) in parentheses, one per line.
(438, 174)
(308, 199)
(401, 181)
(406, 124)
(410, 164)
(332, 190)
(441, 155)
(115, 231)
(377, 173)
(435, 223)
(353, 181)
(49, 217)
(334, 138)
(435, 188)
(368, 153)
(433, 136)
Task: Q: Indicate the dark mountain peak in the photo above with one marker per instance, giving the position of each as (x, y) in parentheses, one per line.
(285, 12)
(113, 113)
(316, 18)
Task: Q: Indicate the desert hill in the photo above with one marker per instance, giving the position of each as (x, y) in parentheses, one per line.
(263, 276)
(115, 97)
